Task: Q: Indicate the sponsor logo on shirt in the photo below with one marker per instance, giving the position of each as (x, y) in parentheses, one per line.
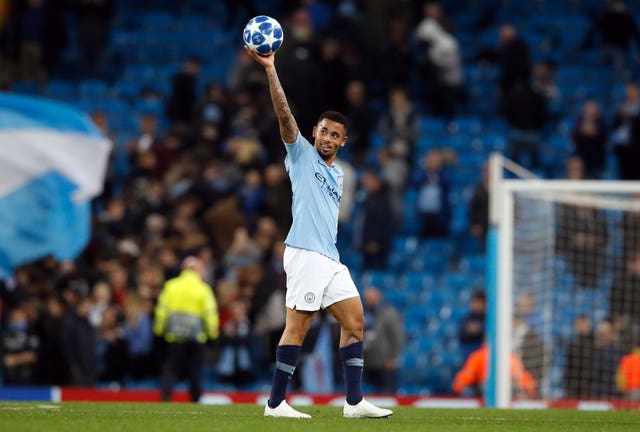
(333, 193)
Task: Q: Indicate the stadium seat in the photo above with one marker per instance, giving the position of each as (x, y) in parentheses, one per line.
(61, 90)
(93, 90)
(466, 126)
(379, 278)
(433, 126)
(475, 264)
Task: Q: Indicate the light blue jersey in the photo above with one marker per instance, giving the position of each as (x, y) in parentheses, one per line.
(317, 190)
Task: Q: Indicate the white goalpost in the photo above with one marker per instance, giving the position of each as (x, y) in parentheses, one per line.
(561, 299)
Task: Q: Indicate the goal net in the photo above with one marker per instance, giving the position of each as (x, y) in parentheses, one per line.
(566, 296)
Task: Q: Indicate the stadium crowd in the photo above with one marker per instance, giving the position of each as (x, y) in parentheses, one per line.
(205, 178)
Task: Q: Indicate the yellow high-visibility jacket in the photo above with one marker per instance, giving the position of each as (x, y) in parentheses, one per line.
(186, 310)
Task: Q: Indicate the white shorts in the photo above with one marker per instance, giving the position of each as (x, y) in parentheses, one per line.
(315, 281)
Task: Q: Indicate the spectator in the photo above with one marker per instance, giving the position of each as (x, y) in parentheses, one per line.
(628, 375)
(112, 348)
(278, 196)
(440, 65)
(589, 138)
(373, 242)
(19, 349)
(617, 29)
(514, 60)
(79, 341)
(243, 251)
(235, 365)
(624, 294)
(607, 353)
(252, 194)
(39, 30)
(396, 60)
(93, 18)
(626, 133)
(472, 326)
(581, 238)
(526, 113)
(361, 121)
(138, 332)
(384, 343)
(479, 208)
(221, 220)
(181, 106)
(526, 309)
(52, 369)
(269, 318)
(399, 126)
(472, 376)
(142, 159)
(529, 347)
(544, 81)
(300, 67)
(434, 203)
(212, 114)
(334, 74)
(394, 172)
(576, 377)
(631, 232)
(186, 316)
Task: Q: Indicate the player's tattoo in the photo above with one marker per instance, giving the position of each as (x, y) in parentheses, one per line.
(288, 126)
(351, 339)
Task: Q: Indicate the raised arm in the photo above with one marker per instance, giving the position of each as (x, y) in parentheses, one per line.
(288, 126)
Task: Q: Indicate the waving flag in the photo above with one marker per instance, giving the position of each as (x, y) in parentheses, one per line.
(53, 161)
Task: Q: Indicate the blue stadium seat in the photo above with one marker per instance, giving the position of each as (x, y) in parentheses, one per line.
(430, 264)
(61, 90)
(405, 244)
(26, 87)
(416, 281)
(379, 278)
(433, 126)
(93, 89)
(466, 126)
(127, 89)
(475, 264)
(456, 281)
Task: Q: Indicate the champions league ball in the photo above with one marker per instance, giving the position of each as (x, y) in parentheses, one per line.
(263, 35)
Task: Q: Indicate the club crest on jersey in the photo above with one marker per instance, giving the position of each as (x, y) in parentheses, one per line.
(309, 297)
(341, 182)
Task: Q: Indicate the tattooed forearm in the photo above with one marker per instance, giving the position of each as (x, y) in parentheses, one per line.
(288, 126)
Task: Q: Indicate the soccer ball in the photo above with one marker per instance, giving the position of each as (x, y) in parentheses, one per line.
(263, 35)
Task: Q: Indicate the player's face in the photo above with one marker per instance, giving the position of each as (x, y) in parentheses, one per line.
(329, 137)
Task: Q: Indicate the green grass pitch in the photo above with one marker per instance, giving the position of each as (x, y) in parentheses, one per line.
(160, 417)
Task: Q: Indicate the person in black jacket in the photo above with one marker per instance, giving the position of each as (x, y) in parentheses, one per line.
(617, 30)
(576, 378)
(526, 112)
(472, 326)
(377, 222)
(513, 58)
(181, 106)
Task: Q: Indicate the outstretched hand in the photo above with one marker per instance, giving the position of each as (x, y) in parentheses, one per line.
(265, 61)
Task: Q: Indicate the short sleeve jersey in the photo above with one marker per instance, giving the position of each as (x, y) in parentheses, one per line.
(317, 190)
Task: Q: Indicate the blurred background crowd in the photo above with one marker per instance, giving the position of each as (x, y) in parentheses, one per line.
(429, 88)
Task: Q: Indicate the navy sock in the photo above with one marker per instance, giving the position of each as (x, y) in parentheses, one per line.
(286, 360)
(352, 364)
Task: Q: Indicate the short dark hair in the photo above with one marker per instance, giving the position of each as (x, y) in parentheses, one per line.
(336, 117)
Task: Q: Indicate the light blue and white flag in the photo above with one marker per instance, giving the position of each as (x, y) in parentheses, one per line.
(53, 161)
